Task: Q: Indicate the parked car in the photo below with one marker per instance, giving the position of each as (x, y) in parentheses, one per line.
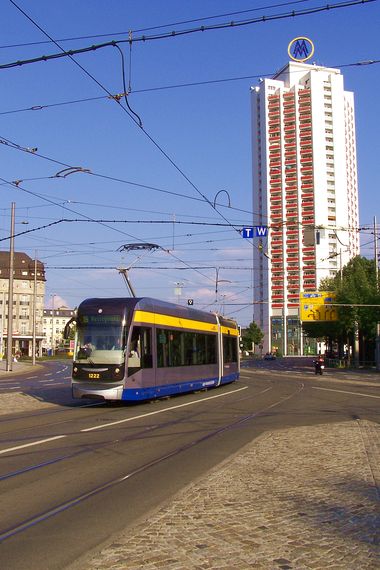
(269, 356)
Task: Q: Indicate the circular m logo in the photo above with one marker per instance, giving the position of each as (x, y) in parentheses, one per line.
(301, 49)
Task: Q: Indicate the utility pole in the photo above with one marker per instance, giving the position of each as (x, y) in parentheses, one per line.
(52, 328)
(10, 292)
(377, 350)
(34, 311)
(2, 316)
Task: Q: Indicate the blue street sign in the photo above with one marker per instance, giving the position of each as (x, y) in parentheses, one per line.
(254, 231)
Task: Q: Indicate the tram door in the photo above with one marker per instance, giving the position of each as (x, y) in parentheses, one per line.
(230, 355)
(140, 355)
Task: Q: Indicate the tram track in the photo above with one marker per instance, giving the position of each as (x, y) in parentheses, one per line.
(92, 448)
(69, 503)
(109, 421)
(41, 414)
(95, 447)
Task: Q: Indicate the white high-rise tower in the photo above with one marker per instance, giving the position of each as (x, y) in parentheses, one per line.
(305, 189)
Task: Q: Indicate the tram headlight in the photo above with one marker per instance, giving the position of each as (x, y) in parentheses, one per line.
(117, 370)
(75, 369)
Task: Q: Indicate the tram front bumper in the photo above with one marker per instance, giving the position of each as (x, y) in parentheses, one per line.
(90, 391)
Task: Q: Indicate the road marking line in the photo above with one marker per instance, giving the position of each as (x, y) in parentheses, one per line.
(161, 411)
(346, 392)
(30, 444)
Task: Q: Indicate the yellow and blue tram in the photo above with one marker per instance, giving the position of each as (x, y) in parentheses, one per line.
(141, 348)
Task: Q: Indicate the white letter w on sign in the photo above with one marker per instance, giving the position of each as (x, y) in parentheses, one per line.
(261, 231)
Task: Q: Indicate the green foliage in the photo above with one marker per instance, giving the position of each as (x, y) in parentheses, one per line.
(358, 287)
(253, 334)
(355, 286)
(327, 284)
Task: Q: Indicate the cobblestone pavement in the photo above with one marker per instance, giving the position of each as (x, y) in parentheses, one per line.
(301, 498)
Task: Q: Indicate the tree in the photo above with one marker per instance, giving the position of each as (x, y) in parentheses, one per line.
(355, 286)
(252, 334)
(358, 287)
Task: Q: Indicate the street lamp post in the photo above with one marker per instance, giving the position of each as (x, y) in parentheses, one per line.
(2, 320)
(34, 312)
(377, 349)
(52, 328)
(10, 293)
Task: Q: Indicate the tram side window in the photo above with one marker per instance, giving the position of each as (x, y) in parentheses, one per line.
(229, 349)
(140, 350)
(180, 348)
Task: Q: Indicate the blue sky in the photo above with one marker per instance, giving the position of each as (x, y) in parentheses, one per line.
(204, 130)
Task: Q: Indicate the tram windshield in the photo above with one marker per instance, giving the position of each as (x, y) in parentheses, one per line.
(101, 339)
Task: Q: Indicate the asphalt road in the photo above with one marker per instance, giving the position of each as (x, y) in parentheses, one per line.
(75, 473)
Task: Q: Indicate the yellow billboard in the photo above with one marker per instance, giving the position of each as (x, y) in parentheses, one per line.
(318, 306)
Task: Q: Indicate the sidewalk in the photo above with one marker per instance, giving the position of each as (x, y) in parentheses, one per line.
(17, 368)
(301, 498)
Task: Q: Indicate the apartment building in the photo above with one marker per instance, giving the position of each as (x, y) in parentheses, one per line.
(28, 292)
(54, 322)
(305, 190)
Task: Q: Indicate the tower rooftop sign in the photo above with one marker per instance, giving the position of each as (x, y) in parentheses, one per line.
(301, 49)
